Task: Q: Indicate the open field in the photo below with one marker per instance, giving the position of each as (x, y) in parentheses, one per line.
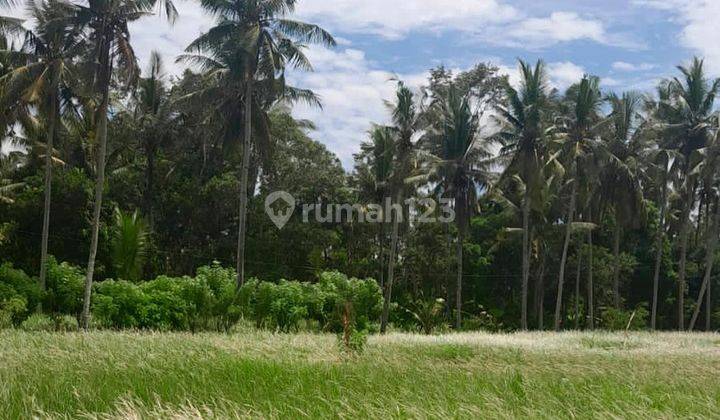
(256, 374)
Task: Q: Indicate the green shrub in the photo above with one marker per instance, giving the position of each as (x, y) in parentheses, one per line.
(66, 323)
(65, 285)
(119, 304)
(619, 319)
(19, 293)
(428, 314)
(38, 322)
(364, 296)
(482, 321)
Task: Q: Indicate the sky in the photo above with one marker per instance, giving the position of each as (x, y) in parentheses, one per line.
(630, 44)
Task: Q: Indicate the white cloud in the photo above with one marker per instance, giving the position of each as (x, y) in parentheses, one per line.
(565, 73)
(701, 30)
(395, 19)
(559, 26)
(624, 66)
(352, 93)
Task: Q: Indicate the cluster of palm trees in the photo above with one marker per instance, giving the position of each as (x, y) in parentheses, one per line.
(564, 163)
(60, 78)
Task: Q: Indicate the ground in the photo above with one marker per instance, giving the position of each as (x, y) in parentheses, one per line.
(258, 374)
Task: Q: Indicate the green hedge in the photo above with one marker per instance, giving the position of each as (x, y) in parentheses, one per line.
(208, 301)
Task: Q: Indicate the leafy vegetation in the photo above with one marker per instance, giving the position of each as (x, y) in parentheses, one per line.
(574, 206)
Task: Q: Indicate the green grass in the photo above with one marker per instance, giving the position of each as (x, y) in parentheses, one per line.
(256, 374)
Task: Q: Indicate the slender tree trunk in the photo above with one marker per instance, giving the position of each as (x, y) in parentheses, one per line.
(577, 285)
(709, 260)
(381, 240)
(684, 227)
(244, 175)
(525, 258)
(52, 118)
(616, 263)
(563, 259)
(708, 307)
(448, 276)
(541, 295)
(458, 285)
(391, 264)
(149, 193)
(658, 254)
(590, 285)
(101, 140)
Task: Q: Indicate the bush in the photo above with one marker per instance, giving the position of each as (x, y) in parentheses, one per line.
(19, 293)
(119, 304)
(482, 321)
(66, 323)
(619, 319)
(364, 297)
(286, 304)
(38, 322)
(65, 286)
(428, 314)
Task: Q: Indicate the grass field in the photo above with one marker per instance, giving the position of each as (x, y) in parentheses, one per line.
(255, 374)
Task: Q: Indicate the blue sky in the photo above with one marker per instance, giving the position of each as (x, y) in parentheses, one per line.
(630, 44)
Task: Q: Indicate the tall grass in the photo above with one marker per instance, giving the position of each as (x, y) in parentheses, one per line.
(136, 375)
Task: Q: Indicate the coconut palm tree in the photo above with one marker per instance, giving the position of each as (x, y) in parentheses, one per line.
(106, 25)
(689, 116)
(524, 138)
(577, 148)
(376, 159)
(621, 172)
(406, 122)
(461, 165)
(48, 50)
(256, 43)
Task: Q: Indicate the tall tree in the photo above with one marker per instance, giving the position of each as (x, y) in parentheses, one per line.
(107, 26)
(524, 139)
(406, 121)
(259, 42)
(462, 163)
(578, 143)
(689, 115)
(621, 173)
(48, 50)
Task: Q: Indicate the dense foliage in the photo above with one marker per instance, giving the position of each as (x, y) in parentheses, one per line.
(575, 209)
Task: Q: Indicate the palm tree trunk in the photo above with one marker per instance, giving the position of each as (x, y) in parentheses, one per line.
(458, 285)
(709, 260)
(541, 295)
(563, 259)
(244, 174)
(149, 192)
(101, 140)
(577, 285)
(684, 227)
(52, 118)
(448, 276)
(526, 258)
(616, 264)
(381, 256)
(590, 286)
(391, 265)
(708, 307)
(658, 254)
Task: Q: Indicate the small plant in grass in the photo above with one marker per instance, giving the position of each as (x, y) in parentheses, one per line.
(66, 323)
(38, 322)
(351, 340)
(427, 314)
(619, 320)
